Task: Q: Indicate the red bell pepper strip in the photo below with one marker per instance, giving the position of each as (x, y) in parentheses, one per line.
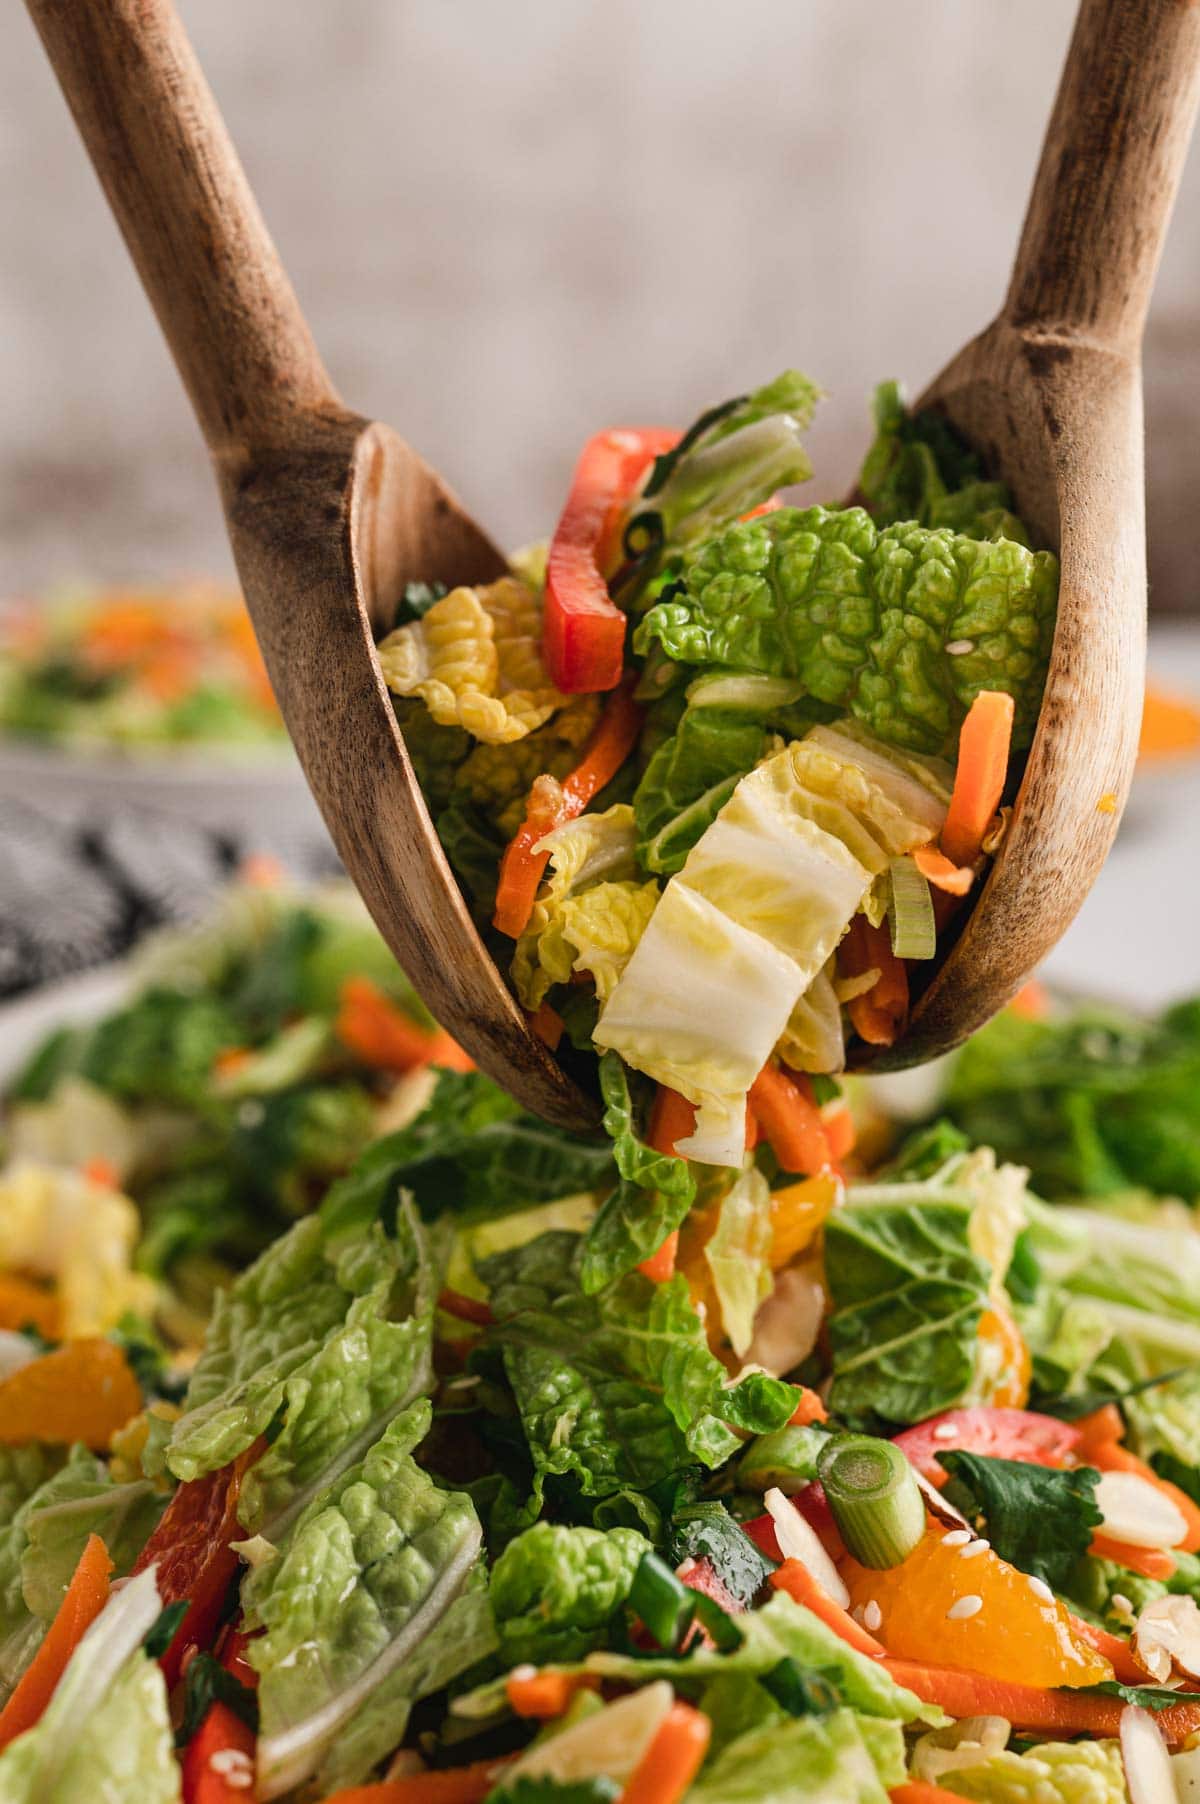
(191, 1549)
(218, 1762)
(583, 630)
(552, 805)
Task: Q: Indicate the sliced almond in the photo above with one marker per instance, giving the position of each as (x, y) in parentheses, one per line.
(1137, 1512)
(1145, 1758)
(1166, 1640)
(798, 1540)
(938, 1508)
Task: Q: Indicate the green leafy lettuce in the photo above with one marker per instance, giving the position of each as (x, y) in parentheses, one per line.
(369, 1591)
(653, 1193)
(863, 616)
(555, 1590)
(473, 1150)
(806, 1760)
(919, 469)
(618, 1389)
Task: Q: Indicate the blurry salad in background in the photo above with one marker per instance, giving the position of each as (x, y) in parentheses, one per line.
(135, 668)
(716, 773)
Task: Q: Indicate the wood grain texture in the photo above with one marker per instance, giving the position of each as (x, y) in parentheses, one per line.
(1051, 395)
(329, 514)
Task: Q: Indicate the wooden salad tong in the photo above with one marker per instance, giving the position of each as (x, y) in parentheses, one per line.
(330, 514)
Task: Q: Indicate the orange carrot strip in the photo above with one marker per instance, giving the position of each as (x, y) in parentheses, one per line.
(672, 1760)
(521, 868)
(547, 1024)
(879, 1015)
(672, 1118)
(1114, 1648)
(102, 1172)
(445, 1051)
(1150, 1562)
(455, 1785)
(795, 1578)
(1045, 1712)
(984, 744)
(1031, 1002)
(467, 1309)
(230, 1060)
(24, 1305)
(785, 1110)
(919, 1791)
(370, 1025)
(840, 1130)
(936, 868)
(86, 1596)
(1098, 1429)
(546, 1694)
(1170, 726)
(808, 1410)
(661, 1264)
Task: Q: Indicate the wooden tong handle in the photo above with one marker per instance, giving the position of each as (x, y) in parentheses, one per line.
(1109, 172)
(184, 206)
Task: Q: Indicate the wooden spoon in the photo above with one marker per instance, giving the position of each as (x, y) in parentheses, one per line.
(1051, 395)
(330, 515)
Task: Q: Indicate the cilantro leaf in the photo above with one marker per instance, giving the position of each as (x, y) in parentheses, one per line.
(1038, 1519)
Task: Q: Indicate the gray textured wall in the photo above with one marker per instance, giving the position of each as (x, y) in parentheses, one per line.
(512, 222)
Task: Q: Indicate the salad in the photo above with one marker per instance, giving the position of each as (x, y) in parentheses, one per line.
(134, 668)
(719, 775)
(887, 1491)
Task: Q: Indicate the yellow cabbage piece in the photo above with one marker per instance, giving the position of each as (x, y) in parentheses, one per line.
(499, 777)
(475, 660)
(733, 962)
(590, 912)
(60, 1225)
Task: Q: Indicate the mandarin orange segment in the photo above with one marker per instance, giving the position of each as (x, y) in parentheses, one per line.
(1003, 1341)
(797, 1213)
(956, 1603)
(82, 1391)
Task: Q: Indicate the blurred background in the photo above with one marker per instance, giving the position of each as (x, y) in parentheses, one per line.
(510, 225)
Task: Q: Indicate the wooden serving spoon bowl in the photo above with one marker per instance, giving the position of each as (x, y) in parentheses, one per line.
(330, 514)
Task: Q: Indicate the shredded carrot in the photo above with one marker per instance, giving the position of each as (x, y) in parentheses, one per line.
(784, 1107)
(879, 1014)
(1053, 1711)
(547, 1024)
(85, 1597)
(1097, 1430)
(546, 1694)
(672, 1760)
(82, 1391)
(984, 744)
(936, 868)
(454, 1785)
(521, 868)
(1150, 1562)
(467, 1309)
(1113, 1648)
(231, 1060)
(840, 1130)
(809, 1408)
(1170, 727)
(919, 1791)
(372, 1027)
(795, 1578)
(1031, 1002)
(260, 870)
(661, 1264)
(672, 1118)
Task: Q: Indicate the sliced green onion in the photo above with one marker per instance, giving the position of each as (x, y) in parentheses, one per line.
(786, 1457)
(875, 1499)
(798, 1692)
(910, 911)
(722, 1629)
(664, 1604)
(825, 1089)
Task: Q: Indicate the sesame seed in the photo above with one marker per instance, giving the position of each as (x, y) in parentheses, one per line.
(980, 1546)
(945, 1431)
(872, 1616)
(958, 648)
(957, 1537)
(523, 1672)
(233, 1765)
(1040, 1588)
(1121, 1607)
(858, 1614)
(964, 1607)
